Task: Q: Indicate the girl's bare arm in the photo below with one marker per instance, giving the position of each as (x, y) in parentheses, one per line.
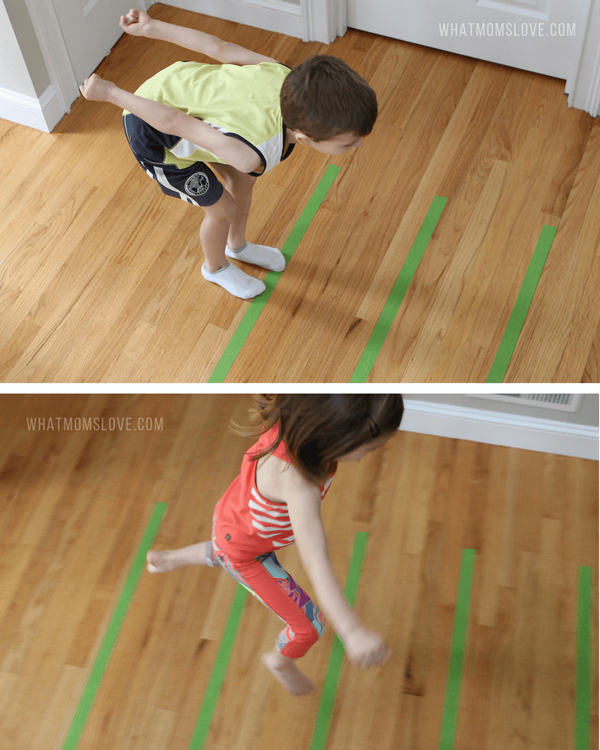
(364, 647)
(305, 516)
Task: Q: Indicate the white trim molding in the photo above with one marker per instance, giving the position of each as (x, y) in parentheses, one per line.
(583, 85)
(483, 426)
(42, 114)
(323, 21)
(54, 51)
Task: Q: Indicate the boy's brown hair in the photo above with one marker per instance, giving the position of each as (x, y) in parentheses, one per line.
(318, 429)
(323, 97)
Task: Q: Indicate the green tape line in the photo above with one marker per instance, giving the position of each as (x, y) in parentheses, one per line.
(522, 305)
(219, 669)
(584, 648)
(257, 304)
(384, 323)
(102, 658)
(457, 650)
(325, 712)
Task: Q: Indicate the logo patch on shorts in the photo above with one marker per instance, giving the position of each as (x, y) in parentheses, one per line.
(197, 184)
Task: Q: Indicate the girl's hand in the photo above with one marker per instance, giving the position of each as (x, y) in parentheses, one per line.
(96, 89)
(135, 22)
(366, 648)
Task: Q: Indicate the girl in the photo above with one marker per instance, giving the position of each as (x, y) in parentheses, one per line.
(275, 501)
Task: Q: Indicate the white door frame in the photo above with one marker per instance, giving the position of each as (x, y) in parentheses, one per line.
(583, 86)
(54, 51)
(323, 21)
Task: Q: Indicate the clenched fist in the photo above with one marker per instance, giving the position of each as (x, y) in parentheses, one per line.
(365, 648)
(136, 22)
(96, 89)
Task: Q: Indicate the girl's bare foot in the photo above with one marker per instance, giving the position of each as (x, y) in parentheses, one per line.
(288, 674)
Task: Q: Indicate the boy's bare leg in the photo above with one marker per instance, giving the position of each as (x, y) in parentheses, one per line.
(240, 185)
(195, 554)
(287, 673)
(214, 231)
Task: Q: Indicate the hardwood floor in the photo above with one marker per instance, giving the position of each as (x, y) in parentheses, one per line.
(73, 509)
(100, 273)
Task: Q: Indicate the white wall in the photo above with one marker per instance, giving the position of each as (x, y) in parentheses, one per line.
(28, 95)
(22, 67)
(14, 75)
(499, 423)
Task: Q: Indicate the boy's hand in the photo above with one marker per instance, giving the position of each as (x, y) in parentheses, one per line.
(366, 648)
(136, 22)
(96, 89)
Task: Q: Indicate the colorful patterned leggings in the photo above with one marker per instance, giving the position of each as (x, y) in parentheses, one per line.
(272, 585)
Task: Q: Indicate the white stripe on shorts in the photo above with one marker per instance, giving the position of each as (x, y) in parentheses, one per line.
(161, 177)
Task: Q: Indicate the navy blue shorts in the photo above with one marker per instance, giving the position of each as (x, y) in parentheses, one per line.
(196, 184)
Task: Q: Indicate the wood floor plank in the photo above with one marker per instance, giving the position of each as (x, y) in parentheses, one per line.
(489, 258)
(591, 373)
(569, 245)
(430, 336)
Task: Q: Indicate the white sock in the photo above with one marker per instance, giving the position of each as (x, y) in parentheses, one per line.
(259, 255)
(235, 281)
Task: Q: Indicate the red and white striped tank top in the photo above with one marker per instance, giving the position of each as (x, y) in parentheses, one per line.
(246, 522)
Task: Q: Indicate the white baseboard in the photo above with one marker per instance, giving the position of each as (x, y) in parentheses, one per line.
(271, 15)
(42, 114)
(496, 428)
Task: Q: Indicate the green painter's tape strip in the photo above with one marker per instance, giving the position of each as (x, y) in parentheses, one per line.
(325, 712)
(219, 669)
(256, 306)
(457, 650)
(93, 684)
(384, 323)
(521, 308)
(584, 674)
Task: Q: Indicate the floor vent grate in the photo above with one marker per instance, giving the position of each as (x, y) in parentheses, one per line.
(557, 401)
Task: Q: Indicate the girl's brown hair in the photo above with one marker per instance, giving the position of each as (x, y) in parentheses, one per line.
(318, 429)
(324, 97)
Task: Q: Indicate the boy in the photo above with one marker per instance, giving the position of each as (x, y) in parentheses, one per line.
(243, 117)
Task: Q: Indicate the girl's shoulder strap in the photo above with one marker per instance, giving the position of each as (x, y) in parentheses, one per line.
(267, 438)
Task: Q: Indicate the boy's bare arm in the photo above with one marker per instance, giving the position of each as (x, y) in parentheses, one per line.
(173, 121)
(139, 23)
